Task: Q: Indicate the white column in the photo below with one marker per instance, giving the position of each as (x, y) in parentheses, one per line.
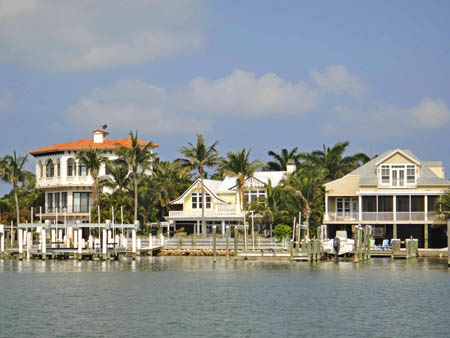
(138, 244)
(376, 201)
(53, 237)
(150, 241)
(394, 207)
(326, 208)
(75, 238)
(80, 241)
(2, 239)
(133, 240)
(29, 243)
(104, 241)
(359, 208)
(198, 228)
(223, 227)
(426, 208)
(410, 211)
(60, 235)
(20, 241)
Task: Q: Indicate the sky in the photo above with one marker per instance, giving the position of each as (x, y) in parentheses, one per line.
(264, 75)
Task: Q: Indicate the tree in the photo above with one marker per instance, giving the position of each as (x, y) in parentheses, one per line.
(333, 161)
(197, 157)
(443, 206)
(118, 178)
(12, 172)
(281, 160)
(136, 157)
(93, 159)
(305, 188)
(238, 164)
(282, 233)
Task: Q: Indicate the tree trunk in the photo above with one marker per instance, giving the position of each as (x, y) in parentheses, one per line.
(135, 196)
(18, 214)
(203, 206)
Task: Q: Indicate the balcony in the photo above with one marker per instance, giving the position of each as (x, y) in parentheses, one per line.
(59, 181)
(221, 210)
(70, 209)
(413, 216)
(342, 216)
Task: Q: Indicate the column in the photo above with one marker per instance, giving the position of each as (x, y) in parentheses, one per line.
(359, 208)
(376, 210)
(20, 237)
(326, 208)
(394, 230)
(53, 237)
(426, 208)
(133, 240)
(425, 236)
(2, 239)
(223, 227)
(198, 227)
(80, 242)
(104, 242)
(75, 238)
(410, 207)
(394, 207)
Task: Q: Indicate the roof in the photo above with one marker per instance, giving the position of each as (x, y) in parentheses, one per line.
(211, 186)
(84, 144)
(368, 171)
(228, 185)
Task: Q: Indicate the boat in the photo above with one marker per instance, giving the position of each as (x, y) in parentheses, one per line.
(345, 245)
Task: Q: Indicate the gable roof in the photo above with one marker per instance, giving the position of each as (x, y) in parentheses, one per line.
(211, 186)
(368, 171)
(85, 144)
(228, 185)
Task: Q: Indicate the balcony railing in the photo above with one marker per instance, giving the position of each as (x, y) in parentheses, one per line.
(381, 216)
(219, 210)
(343, 216)
(58, 180)
(68, 209)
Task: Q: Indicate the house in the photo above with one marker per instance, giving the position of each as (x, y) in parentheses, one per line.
(66, 180)
(395, 192)
(222, 202)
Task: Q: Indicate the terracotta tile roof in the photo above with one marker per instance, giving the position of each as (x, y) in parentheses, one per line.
(89, 143)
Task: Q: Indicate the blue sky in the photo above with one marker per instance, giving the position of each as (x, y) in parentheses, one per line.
(261, 74)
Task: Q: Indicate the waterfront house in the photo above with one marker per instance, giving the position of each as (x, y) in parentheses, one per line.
(66, 180)
(395, 192)
(222, 203)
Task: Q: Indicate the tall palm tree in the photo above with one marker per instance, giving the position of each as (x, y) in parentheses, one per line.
(118, 178)
(239, 164)
(136, 157)
(281, 160)
(12, 172)
(197, 157)
(93, 159)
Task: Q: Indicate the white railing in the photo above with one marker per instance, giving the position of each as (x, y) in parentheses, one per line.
(58, 180)
(226, 208)
(342, 216)
(377, 216)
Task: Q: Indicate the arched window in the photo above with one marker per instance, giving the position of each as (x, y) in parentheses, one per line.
(50, 169)
(82, 168)
(70, 167)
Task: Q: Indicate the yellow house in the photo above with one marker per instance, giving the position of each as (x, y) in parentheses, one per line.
(222, 203)
(395, 192)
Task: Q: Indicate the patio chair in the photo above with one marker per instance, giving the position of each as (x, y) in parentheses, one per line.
(385, 245)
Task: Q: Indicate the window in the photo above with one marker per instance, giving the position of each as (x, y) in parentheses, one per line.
(253, 195)
(50, 202)
(82, 201)
(346, 206)
(50, 169)
(70, 167)
(385, 174)
(196, 200)
(411, 174)
(57, 199)
(64, 201)
(82, 169)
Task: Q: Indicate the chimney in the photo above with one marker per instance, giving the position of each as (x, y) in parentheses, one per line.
(290, 167)
(99, 135)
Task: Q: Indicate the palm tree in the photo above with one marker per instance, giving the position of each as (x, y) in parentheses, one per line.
(281, 160)
(333, 161)
(305, 186)
(198, 157)
(118, 178)
(238, 164)
(136, 157)
(93, 159)
(12, 172)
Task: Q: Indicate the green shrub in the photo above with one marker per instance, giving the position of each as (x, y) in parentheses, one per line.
(282, 232)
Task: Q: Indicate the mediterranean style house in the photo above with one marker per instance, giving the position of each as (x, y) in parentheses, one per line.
(66, 180)
(222, 204)
(395, 192)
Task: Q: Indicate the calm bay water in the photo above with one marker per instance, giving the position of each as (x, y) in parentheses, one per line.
(190, 297)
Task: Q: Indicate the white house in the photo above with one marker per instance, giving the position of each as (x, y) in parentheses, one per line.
(65, 179)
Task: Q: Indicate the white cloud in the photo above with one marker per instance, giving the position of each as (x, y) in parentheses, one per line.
(243, 93)
(387, 120)
(337, 80)
(130, 105)
(73, 35)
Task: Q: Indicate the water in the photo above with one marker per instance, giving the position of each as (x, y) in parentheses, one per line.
(190, 297)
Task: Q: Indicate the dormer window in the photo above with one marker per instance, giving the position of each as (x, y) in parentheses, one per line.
(196, 200)
(397, 175)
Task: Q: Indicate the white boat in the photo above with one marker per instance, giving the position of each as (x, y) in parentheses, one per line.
(346, 245)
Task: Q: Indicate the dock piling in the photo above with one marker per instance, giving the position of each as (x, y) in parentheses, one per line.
(227, 241)
(214, 233)
(2, 239)
(236, 233)
(20, 238)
